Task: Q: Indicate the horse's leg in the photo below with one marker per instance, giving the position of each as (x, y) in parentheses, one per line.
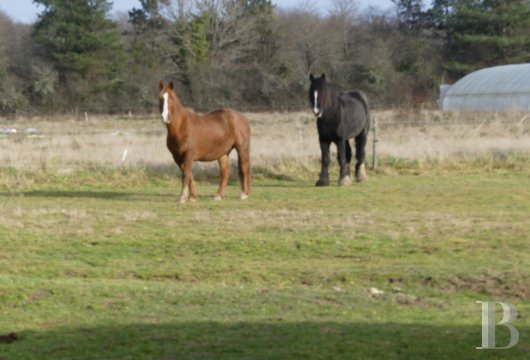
(184, 193)
(187, 178)
(348, 157)
(243, 157)
(324, 176)
(360, 156)
(224, 168)
(193, 191)
(342, 157)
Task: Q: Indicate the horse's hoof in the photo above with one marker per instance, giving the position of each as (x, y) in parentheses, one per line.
(322, 183)
(243, 196)
(182, 201)
(345, 181)
(192, 199)
(217, 197)
(360, 175)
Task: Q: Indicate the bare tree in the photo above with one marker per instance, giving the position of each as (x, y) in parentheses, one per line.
(346, 10)
(343, 13)
(305, 37)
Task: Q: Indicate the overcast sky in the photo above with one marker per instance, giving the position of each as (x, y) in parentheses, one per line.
(26, 11)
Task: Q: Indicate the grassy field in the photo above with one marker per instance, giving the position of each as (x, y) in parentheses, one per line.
(97, 260)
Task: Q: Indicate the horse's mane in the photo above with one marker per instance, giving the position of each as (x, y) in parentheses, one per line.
(331, 95)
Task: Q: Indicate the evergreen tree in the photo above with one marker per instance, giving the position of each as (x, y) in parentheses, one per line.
(148, 18)
(83, 45)
(147, 49)
(410, 14)
(484, 33)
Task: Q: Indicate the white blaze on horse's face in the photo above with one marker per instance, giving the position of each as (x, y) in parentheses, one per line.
(165, 108)
(316, 109)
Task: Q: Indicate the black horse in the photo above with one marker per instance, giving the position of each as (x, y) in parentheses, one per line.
(341, 115)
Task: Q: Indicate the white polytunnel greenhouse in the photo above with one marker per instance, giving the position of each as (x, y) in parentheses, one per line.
(499, 88)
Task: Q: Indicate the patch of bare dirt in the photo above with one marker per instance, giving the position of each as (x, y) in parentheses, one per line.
(9, 338)
(506, 286)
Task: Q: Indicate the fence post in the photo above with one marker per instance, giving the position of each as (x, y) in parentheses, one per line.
(374, 148)
(300, 137)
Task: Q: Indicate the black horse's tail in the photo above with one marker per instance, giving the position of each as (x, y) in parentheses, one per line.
(361, 96)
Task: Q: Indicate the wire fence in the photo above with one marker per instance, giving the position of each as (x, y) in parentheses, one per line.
(138, 140)
(301, 124)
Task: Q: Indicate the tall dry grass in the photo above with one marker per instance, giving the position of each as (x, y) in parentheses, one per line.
(64, 145)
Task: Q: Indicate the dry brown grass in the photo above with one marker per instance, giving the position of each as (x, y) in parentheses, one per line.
(434, 135)
(63, 144)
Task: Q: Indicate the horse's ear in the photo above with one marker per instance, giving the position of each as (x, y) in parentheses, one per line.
(311, 77)
(160, 85)
(171, 86)
(323, 76)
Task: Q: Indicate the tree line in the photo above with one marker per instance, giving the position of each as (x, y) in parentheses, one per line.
(248, 53)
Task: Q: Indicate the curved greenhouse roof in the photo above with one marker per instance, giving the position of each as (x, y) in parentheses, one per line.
(499, 88)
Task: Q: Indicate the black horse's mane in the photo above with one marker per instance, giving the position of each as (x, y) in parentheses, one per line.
(331, 93)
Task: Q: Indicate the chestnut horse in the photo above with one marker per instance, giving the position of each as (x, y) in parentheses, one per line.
(193, 137)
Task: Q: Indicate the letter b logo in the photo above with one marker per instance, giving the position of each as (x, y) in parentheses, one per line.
(488, 324)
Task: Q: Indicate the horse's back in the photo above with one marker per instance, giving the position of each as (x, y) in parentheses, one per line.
(355, 113)
(234, 121)
(354, 100)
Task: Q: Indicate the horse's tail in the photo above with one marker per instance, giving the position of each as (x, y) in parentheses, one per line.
(361, 96)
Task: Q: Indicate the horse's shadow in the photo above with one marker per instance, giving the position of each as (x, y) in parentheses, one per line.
(210, 174)
(202, 174)
(86, 194)
(103, 195)
(110, 195)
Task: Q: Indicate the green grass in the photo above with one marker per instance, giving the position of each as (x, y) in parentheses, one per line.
(103, 264)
